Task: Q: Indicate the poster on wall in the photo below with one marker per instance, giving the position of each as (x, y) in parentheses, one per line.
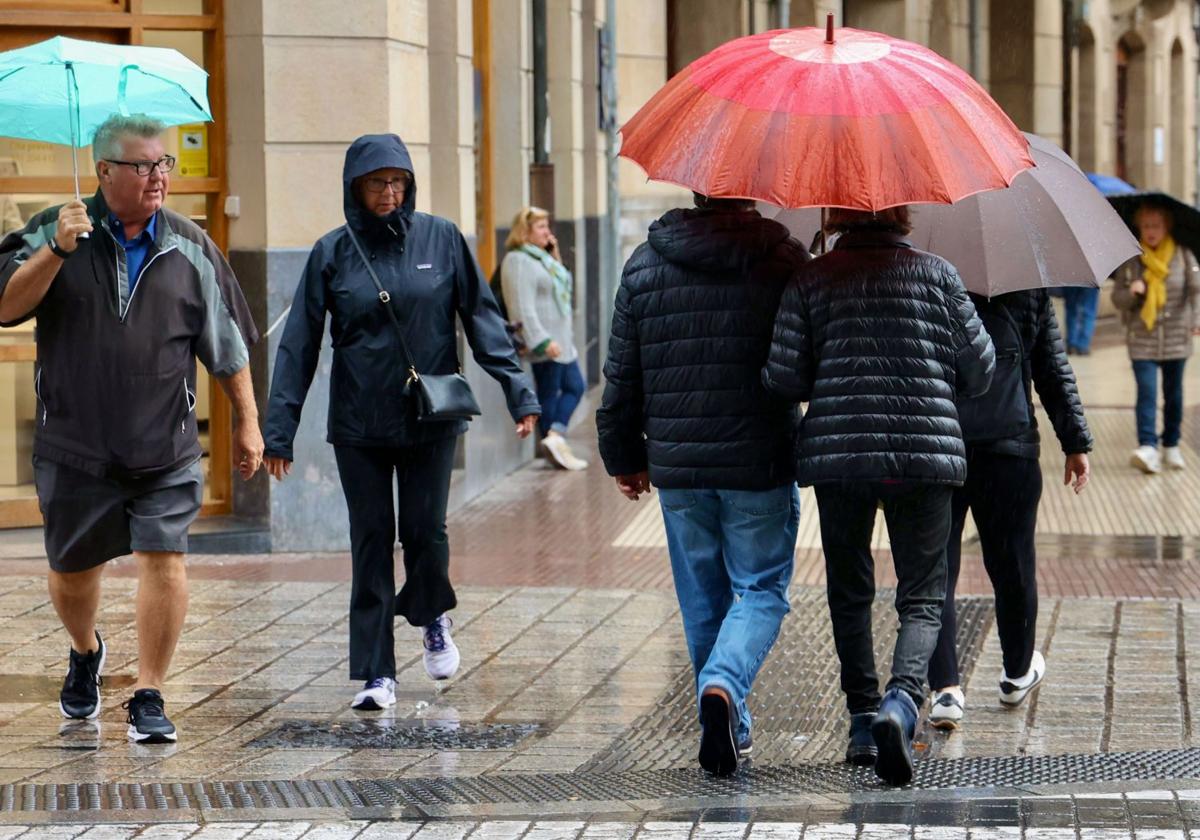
(193, 150)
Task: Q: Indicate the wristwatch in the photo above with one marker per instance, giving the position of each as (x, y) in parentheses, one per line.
(57, 249)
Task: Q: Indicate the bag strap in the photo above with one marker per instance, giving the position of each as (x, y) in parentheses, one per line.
(386, 300)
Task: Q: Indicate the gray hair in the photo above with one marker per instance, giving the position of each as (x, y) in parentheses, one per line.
(107, 142)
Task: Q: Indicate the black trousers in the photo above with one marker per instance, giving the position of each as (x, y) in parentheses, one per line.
(1002, 492)
(422, 476)
(918, 522)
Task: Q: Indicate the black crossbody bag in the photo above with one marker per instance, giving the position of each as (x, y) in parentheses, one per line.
(440, 397)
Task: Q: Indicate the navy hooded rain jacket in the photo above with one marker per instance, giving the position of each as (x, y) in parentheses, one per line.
(424, 263)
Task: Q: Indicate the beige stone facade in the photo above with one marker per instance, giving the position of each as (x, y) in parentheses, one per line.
(459, 80)
(1139, 55)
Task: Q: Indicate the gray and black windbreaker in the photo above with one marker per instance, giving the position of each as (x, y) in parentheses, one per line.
(116, 372)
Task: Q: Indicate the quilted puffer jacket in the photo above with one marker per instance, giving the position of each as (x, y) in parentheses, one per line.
(690, 333)
(879, 339)
(1047, 369)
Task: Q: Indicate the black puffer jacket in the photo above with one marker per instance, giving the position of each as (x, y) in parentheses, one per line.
(879, 338)
(690, 332)
(425, 265)
(1046, 368)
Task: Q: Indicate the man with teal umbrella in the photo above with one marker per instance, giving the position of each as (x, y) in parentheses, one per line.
(127, 296)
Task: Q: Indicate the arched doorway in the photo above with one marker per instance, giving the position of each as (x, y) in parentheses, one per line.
(1133, 164)
(1085, 137)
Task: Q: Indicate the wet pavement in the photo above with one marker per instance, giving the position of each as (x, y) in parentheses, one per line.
(574, 706)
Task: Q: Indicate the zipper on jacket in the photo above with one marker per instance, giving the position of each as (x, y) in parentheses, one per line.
(37, 389)
(189, 399)
(118, 250)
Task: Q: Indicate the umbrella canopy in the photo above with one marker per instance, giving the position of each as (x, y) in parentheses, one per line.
(1186, 226)
(810, 117)
(61, 90)
(42, 85)
(1110, 184)
(1050, 228)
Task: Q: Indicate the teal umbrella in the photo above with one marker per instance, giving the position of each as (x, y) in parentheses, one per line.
(61, 90)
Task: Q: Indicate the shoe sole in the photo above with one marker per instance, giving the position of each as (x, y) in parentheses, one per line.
(371, 706)
(99, 673)
(894, 762)
(861, 756)
(718, 749)
(944, 724)
(150, 738)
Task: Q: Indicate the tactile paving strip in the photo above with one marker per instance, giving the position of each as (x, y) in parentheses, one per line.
(770, 783)
(797, 702)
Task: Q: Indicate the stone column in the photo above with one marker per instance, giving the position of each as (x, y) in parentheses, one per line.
(305, 79)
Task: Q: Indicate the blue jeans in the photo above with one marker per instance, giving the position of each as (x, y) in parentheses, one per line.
(1081, 316)
(560, 387)
(1146, 373)
(731, 556)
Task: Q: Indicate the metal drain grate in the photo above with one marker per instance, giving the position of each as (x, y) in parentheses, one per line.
(770, 783)
(793, 695)
(394, 735)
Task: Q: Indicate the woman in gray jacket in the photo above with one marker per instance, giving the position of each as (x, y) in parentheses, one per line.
(1159, 298)
(538, 292)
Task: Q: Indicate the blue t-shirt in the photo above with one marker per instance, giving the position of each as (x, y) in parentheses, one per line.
(137, 250)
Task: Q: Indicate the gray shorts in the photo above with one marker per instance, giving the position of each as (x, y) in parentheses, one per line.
(90, 520)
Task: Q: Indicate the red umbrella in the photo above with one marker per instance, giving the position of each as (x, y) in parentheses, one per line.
(801, 118)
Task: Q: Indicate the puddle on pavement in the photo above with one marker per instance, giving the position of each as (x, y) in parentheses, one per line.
(24, 688)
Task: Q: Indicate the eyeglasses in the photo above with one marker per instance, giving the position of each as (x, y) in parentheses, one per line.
(377, 185)
(143, 167)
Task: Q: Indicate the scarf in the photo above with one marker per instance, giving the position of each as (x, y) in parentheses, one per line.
(563, 281)
(1157, 262)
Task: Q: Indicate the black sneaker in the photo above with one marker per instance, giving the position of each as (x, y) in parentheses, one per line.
(148, 722)
(80, 697)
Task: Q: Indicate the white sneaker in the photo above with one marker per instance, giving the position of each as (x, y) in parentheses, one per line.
(377, 694)
(576, 463)
(946, 709)
(560, 453)
(1146, 459)
(1173, 458)
(441, 654)
(1014, 691)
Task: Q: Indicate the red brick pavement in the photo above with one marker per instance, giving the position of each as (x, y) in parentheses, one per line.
(543, 527)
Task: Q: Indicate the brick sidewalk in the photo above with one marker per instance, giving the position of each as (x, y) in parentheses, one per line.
(574, 670)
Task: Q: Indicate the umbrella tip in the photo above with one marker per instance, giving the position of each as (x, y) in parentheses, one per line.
(829, 28)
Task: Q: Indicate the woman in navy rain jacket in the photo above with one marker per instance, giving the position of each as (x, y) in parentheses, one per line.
(427, 269)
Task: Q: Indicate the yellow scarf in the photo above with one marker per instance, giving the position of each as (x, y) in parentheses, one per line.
(1158, 264)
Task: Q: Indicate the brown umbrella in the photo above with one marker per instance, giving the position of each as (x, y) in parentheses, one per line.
(1050, 228)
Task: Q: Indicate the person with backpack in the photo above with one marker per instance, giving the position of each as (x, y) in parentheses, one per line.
(1004, 486)
(394, 284)
(539, 295)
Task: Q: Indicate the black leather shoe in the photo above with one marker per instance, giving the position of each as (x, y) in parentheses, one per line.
(861, 750)
(893, 730)
(718, 744)
(80, 696)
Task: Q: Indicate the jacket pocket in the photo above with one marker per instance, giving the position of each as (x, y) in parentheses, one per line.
(152, 429)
